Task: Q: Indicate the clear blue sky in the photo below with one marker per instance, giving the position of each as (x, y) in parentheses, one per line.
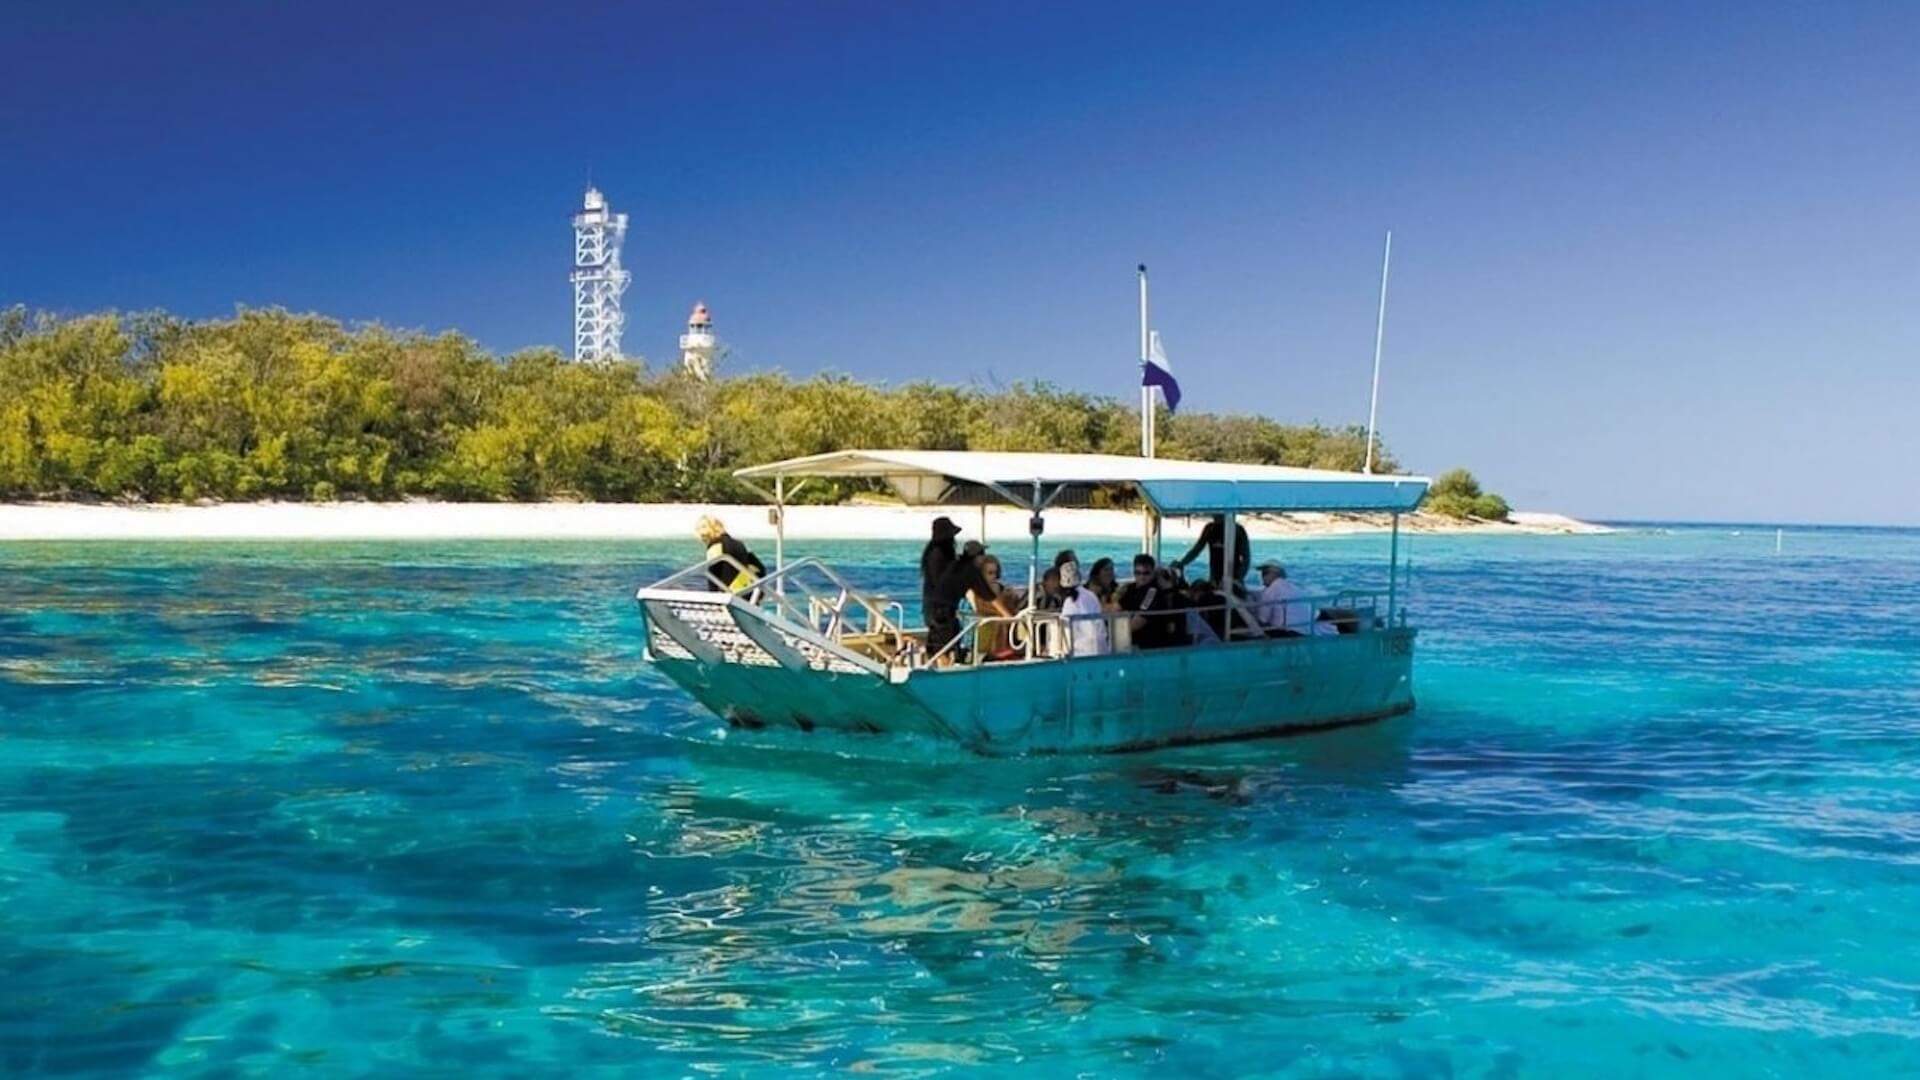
(1651, 260)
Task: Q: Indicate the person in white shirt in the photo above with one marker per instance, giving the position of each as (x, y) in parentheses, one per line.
(1089, 635)
(1280, 606)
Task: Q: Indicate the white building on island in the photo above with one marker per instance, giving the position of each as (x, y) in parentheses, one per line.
(697, 345)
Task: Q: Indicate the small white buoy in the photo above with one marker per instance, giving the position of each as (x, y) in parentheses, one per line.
(1778, 536)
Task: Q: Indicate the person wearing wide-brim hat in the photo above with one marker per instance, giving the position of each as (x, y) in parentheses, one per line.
(936, 557)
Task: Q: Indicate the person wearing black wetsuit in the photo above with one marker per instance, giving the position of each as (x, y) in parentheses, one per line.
(935, 558)
(943, 607)
(1213, 539)
(728, 558)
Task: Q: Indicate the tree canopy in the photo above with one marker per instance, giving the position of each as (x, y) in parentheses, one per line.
(270, 404)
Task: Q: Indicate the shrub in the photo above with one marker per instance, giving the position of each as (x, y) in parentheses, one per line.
(1456, 494)
(1449, 505)
(1456, 482)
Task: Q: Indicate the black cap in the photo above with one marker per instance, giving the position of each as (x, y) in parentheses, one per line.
(944, 528)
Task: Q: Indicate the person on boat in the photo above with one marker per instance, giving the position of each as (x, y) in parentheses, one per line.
(961, 579)
(1051, 595)
(1000, 593)
(1086, 617)
(1179, 598)
(997, 601)
(936, 557)
(730, 566)
(1149, 596)
(1280, 608)
(1210, 613)
(1205, 613)
(1101, 580)
(1213, 540)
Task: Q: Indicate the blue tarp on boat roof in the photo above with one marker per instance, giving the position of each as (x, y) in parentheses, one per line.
(947, 477)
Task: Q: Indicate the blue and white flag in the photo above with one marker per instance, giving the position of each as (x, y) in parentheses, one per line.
(1158, 374)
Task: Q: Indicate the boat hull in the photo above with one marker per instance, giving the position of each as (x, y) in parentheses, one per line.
(1122, 702)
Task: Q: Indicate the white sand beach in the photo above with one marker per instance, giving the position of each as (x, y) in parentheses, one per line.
(421, 520)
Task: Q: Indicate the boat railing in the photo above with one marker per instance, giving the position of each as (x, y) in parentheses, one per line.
(815, 595)
(691, 578)
(812, 594)
(1033, 634)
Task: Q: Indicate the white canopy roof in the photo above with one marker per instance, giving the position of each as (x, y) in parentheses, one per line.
(936, 477)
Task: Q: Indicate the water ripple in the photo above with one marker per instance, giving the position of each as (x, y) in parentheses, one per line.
(370, 808)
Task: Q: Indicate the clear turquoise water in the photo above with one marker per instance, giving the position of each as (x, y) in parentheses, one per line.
(370, 808)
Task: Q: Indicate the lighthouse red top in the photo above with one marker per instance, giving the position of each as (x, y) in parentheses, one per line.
(700, 316)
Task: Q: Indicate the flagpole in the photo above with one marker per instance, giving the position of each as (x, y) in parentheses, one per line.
(1149, 526)
(1146, 392)
(1379, 338)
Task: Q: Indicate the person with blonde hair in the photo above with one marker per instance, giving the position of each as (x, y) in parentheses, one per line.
(995, 642)
(730, 566)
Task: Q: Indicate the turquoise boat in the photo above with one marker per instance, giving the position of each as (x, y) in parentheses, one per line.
(805, 649)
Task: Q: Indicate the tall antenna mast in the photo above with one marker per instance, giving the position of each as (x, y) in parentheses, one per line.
(1379, 340)
(598, 280)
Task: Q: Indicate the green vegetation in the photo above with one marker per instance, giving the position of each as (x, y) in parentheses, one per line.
(274, 405)
(1456, 494)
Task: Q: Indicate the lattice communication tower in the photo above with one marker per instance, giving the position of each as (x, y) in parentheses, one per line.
(598, 280)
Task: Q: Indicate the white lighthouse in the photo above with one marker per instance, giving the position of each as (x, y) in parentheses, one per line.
(697, 344)
(598, 279)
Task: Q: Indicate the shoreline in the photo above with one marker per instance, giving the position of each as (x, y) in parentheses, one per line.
(425, 520)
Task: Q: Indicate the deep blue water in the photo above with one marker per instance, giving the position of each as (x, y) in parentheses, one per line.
(371, 808)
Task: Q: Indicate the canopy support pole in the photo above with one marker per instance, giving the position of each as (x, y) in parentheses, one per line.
(1001, 491)
(1156, 521)
(780, 529)
(1033, 575)
(1033, 558)
(1230, 551)
(1393, 570)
